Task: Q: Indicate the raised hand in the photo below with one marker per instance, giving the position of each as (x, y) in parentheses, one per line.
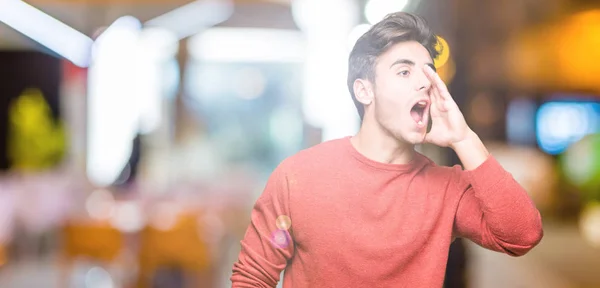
(448, 125)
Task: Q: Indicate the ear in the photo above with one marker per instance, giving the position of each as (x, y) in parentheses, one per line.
(363, 91)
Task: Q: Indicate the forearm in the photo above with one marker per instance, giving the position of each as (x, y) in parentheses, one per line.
(261, 259)
(510, 218)
(501, 217)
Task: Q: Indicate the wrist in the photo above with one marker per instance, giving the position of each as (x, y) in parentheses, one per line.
(467, 141)
(470, 151)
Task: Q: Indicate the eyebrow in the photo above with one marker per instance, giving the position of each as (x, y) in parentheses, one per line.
(403, 61)
(411, 63)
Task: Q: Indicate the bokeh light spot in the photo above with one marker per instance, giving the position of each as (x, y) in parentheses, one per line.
(283, 222)
(281, 239)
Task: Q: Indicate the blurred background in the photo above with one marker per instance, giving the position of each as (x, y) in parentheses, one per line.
(135, 135)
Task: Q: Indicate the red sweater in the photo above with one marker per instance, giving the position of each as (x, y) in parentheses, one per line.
(331, 217)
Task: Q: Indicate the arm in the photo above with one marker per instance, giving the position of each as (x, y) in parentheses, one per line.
(495, 211)
(266, 249)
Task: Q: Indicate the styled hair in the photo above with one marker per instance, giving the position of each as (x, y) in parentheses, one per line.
(394, 28)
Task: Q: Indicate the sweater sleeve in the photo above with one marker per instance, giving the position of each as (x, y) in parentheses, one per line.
(495, 212)
(267, 244)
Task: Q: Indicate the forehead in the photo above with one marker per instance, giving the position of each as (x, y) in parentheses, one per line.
(410, 50)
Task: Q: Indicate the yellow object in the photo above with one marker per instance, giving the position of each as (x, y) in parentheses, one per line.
(444, 49)
(2, 255)
(447, 71)
(559, 56)
(35, 141)
(180, 245)
(97, 240)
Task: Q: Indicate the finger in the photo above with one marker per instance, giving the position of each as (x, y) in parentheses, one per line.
(437, 83)
(433, 97)
(437, 102)
(433, 90)
(435, 93)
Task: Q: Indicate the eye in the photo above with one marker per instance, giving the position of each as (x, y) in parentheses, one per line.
(404, 73)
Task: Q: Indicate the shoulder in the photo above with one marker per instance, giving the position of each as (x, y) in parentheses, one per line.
(312, 157)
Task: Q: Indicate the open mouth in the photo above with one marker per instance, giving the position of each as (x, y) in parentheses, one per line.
(418, 112)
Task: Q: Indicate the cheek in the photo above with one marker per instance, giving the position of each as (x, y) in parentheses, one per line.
(395, 97)
(390, 110)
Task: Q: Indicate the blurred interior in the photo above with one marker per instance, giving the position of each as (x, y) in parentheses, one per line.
(200, 101)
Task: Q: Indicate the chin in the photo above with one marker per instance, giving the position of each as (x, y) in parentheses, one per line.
(412, 138)
(416, 141)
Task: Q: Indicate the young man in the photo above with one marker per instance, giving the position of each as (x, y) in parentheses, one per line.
(368, 210)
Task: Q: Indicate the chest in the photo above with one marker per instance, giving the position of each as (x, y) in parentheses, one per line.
(373, 215)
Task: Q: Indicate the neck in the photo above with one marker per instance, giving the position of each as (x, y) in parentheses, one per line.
(377, 144)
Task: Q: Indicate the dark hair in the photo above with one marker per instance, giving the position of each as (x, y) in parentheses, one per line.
(394, 28)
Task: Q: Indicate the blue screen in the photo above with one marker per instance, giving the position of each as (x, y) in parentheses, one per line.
(520, 122)
(562, 123)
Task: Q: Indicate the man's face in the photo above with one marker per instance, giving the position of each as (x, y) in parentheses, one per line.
(401, 93)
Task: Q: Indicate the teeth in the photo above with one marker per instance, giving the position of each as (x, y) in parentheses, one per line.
(420, 123)
(422, 103)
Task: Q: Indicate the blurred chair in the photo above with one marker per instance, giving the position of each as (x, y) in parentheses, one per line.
(177, 247)
(97, 241)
